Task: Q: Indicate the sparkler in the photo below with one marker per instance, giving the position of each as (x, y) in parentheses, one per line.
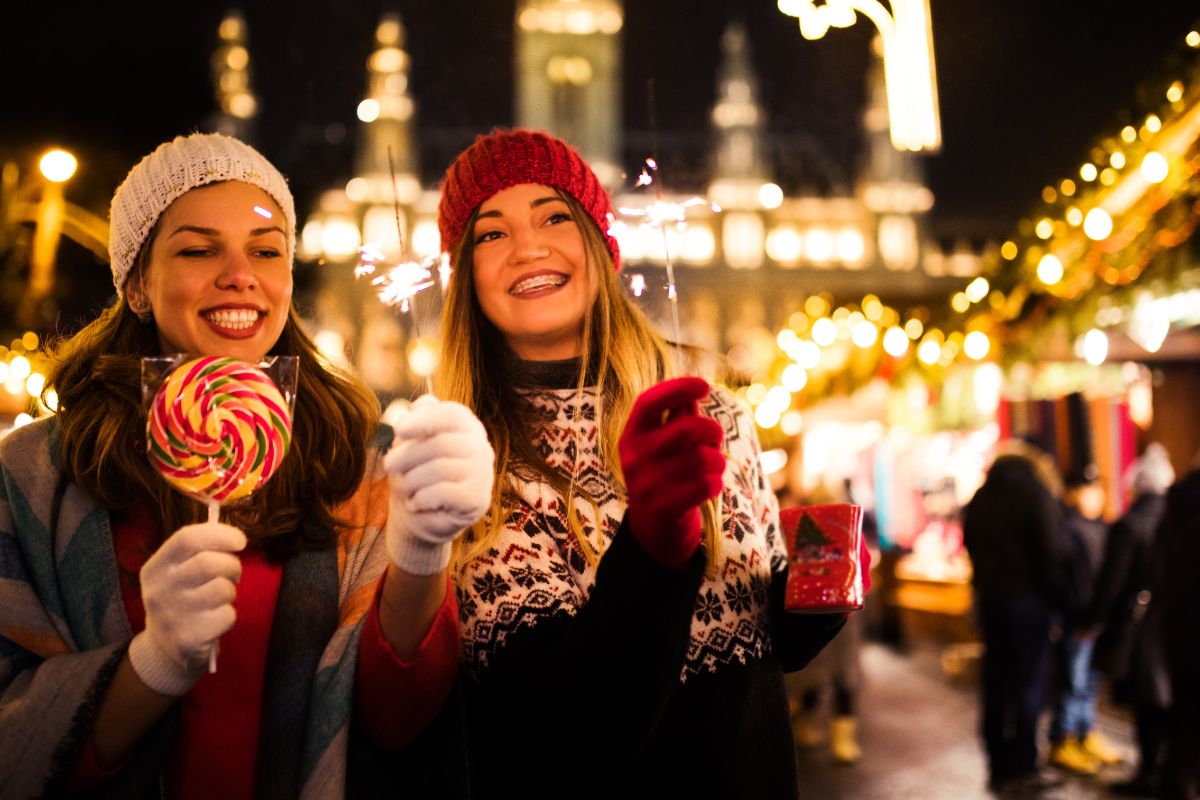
(399, 284)
(658, 214)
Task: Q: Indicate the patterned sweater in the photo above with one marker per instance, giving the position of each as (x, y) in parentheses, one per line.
(632, 677)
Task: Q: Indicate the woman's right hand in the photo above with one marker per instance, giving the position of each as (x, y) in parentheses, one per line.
(188, 588)
(672, 460)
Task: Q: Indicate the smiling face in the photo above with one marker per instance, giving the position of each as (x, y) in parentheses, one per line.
(218, 278)
(530, 271)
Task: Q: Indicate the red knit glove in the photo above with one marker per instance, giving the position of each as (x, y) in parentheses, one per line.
(671, 457)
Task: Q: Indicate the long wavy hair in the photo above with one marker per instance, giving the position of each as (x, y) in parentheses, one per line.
(97, 376)
(621, 355)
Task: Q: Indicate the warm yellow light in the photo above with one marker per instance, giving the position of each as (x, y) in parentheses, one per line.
(767, 416)
(1049, 195)
(237, 58)
(792, 422)
(368, 110)
(21, 420)
(1067, 187)
(1088, 172)
(243, 105)
(1108, 176)
(1193, 39)
(1050, 269)
(51, 400)
(1154, 167)
(929, 352)
(58, 166)
(1153, 123)
(959, 302)
(770, 195)
(1097, 225)
(816, 306)
(422, 357)
(1128, 134)
(1044, 228)
(1175, 92)
(755, 393)
(977, 289)
(35, 383)
(1074, 216)
(976, 345)
(787, 339)
(824, 331)
(357, 189)
(29, 341)
(807, 355)
(914, 328)
(864, 333)
(1117, 160)
(1008, 250)
(19, 369)
(895, 341)
(1093, 346)
(872, 307)
(794, 378)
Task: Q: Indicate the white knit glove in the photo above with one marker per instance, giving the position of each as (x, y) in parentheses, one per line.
(188, 591)
(441, 467)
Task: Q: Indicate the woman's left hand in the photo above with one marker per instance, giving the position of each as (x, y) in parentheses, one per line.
(442, 470)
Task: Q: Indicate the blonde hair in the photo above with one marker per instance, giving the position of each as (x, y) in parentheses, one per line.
(620, 353)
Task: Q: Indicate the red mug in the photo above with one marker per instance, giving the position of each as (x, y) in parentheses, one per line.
(823, 570)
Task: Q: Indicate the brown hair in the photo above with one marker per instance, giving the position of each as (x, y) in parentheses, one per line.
(621, 354)
(97, 375)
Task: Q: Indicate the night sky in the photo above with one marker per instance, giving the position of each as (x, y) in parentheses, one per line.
(1025, 86)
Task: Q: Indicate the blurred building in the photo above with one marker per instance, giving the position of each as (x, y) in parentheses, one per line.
(741, 271)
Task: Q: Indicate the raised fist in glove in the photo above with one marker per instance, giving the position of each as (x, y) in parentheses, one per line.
(672, 460)
(188, 588)
(442, 469)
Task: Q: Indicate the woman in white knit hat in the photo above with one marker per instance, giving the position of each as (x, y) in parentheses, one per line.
(327, 589)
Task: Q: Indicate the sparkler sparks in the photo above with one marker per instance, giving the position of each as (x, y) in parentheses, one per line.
(658, 214)
(402, 282)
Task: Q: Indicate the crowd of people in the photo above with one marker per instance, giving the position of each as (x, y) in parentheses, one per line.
(1067, 604)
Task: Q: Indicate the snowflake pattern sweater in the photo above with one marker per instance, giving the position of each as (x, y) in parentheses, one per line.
(629, 676)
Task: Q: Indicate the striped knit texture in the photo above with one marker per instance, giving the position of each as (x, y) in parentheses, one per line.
(62, 620)
(509, 158)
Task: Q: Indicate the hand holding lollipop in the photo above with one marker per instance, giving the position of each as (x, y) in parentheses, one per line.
(217, 429)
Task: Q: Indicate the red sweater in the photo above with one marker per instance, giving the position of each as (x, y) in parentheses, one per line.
(216, 748)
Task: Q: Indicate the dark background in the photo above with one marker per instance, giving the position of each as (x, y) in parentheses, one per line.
(1025, 87)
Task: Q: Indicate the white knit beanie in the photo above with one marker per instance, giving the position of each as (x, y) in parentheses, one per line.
(175, 168)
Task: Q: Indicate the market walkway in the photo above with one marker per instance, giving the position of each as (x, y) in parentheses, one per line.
(918, 732)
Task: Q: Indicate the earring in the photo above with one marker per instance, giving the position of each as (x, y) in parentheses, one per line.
(142, 309)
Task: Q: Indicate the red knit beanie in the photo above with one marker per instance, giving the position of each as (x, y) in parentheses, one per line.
(507, 158)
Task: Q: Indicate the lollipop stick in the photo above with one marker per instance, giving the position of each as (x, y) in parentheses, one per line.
(214, 515)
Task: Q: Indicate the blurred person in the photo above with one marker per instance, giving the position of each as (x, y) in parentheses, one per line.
(327, 588)
(1013, 533)
(621, 604)
(1129, 647)
(1177, 585)
(1075, 743)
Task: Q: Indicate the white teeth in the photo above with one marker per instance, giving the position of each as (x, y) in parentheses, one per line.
(538, 282)
(233, 319)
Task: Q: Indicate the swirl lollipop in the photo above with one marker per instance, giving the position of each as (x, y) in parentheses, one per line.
(217, 430)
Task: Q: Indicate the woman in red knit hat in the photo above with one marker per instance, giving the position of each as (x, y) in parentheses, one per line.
(621, 603)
